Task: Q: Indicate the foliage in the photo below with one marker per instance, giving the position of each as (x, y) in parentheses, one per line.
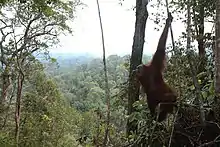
(62, 101)
(45, 109)
(31, 104)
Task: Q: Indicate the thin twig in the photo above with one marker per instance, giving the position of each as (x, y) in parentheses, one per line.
(174, 121)
(152, 133)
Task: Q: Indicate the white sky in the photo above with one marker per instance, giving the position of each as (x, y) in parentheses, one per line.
(118, 24)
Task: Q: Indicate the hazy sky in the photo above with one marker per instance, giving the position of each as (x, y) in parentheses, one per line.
(118, 25)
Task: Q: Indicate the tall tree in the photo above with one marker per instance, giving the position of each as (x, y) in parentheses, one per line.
(136, 58)
(202, 11)
(27, 29)
(217, 48)
(107, 91)
(199, 6)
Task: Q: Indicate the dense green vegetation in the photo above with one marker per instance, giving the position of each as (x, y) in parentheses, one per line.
(53, 101)
(63, 102)
(82, 85)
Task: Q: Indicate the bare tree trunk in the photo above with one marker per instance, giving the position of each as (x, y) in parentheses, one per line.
(188, 41)
(199, 28)
(201, 31)
(193, 71)
(107, 90)
(201, 47)
(217, 48)
(136, 58)
(20, 81)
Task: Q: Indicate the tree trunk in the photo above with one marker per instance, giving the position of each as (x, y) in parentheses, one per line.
(201, 31)
(199, 25)
(200, 40)
(199, 28)
(188, 42)
(18, 107)
(136, 58)
(193, 71)
(217, 48)
(107, 90)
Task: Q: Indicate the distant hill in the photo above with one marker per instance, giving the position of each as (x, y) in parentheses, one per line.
(70, 55)
(66, 60)
(71, 58)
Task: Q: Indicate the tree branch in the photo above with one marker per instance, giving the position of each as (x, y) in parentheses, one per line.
(211, 142)
(29, 26)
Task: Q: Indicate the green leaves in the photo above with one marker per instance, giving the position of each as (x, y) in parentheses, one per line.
(46, 115)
